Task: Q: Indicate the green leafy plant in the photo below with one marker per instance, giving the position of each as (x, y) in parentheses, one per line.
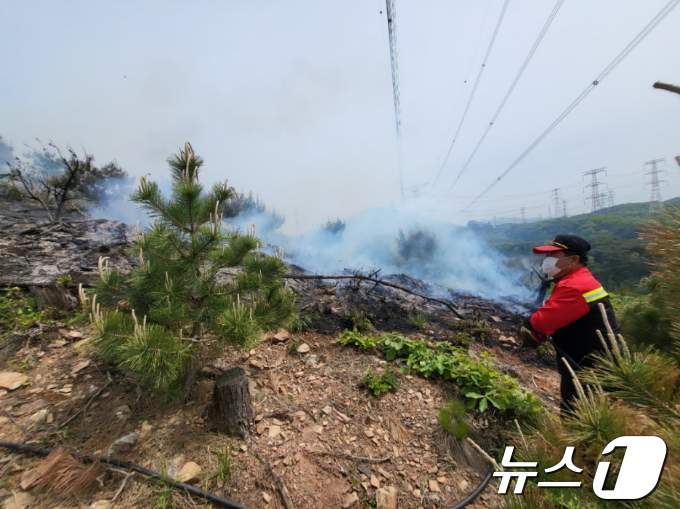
(480, 383)
(301, 322)
(452, 419)
(478, 329)
(18, 311)
(361, 322)
(153, 321)
(354, 338)
(417, 319)
(380, 384)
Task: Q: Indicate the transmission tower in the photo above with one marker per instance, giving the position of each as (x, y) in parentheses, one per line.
(557, 202)
(655, 183)
(523, 211)
(564, 208)
(394, 64)
(610, 198)
(596, 197)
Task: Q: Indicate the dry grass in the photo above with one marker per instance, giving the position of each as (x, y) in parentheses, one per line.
(61, 473)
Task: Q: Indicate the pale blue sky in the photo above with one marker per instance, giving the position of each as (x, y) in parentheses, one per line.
(293, 100)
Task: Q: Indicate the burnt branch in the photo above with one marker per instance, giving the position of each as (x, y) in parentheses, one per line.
(376, 281)
(57, 179)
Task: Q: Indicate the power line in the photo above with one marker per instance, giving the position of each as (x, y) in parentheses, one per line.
(572, 106)
(478, 79)
(511, 89)
(394, 65)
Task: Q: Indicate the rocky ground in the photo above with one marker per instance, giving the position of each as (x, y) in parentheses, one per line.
(329, 441)
(314, 424)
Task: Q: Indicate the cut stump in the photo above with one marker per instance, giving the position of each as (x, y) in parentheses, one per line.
(231, 410)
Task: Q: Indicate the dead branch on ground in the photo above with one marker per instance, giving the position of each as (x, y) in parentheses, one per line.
(342, 455)
(377, 281)
(278, 482)
(89, 402)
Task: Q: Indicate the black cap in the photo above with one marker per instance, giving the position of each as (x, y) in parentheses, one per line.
(572, 243)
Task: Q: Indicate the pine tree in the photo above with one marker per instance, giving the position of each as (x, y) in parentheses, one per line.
(157, 320)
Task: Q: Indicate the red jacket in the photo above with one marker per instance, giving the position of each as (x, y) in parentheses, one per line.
(571, 299)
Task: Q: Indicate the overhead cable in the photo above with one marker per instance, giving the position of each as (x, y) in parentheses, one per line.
(572, 106)
(478, 79)
(532, 51)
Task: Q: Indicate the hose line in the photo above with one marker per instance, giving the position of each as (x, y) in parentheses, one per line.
(218, 501)
(91, 458)
(476, 492)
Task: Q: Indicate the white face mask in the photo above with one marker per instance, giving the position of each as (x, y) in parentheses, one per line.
(549, 266)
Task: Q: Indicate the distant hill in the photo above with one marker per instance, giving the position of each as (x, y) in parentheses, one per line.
(618, 256)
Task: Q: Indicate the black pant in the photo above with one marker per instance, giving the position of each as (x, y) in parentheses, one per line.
(567, 391)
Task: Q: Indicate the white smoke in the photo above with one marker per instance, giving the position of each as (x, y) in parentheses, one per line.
(396, 240)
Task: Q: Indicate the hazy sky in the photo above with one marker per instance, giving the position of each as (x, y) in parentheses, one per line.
(293, 100)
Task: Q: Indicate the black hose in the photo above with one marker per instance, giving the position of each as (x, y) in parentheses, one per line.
(218, 501)
(476, 492)
(91, 458)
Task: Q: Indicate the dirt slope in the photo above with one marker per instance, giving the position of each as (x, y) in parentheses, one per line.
(314, 426)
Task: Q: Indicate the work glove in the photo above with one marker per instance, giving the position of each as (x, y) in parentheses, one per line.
(529, 337)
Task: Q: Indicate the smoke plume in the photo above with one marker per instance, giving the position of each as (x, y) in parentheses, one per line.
(396, 241)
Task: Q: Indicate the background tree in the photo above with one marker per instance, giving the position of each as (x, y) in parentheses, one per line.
(155, 319)
(58, 180)
(663, 238)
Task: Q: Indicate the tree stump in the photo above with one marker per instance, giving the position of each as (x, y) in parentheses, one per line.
(231, 410)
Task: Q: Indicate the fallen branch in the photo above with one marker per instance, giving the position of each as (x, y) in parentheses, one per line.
(342, 455)
(122, 485)
(278, 482)
(89, 402)
(484, 454)
(377, 281)
(127, 465)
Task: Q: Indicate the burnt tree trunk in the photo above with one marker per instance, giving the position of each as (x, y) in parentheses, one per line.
(231, 410)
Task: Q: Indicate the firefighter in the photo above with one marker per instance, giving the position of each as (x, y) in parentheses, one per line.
(570, 314)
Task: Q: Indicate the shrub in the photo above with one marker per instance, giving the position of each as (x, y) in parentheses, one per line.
(55, 180)
(335, 227)
(18, 311)
(452, 419)
(663, 237)
(301, 322)
(361, 322)
(380, 384)
(418, 320)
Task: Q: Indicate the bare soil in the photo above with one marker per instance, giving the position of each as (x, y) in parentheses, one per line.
(314, 425)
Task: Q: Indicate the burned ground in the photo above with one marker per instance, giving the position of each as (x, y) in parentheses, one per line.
(328, 439)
